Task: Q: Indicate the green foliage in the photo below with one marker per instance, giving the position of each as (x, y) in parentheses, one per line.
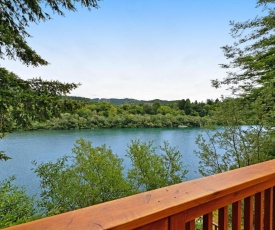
(25, 101)
(251, 62)
(17, 15)
(15, 206)
(93, 175)
(75, 121)
(83, 114)
(234, 145)
(252, 54)
(3, 156)
(250, 78)
(212, 161)
(151, 170)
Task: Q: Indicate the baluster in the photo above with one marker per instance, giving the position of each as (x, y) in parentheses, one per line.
(248, 213)
(207, 221)
(236, 215)
(259, 210)
(268, 211)
(223, 218)
(190, 225)
(177, 221)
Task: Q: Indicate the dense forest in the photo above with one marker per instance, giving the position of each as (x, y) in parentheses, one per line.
(84, 113)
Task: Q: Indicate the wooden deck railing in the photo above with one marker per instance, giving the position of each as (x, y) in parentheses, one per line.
(249, 192)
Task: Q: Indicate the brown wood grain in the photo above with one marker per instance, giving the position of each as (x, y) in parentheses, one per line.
(237, 215)
(223, 218)
(214, 204)
(160, 225)
(268, 208)
(190, 225)
(177, 221)
(259, 212)
(207, 221)
(248, 213)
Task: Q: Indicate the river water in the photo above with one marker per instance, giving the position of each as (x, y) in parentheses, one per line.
(45, 146)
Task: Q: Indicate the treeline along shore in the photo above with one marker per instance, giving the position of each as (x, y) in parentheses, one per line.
(84, 113)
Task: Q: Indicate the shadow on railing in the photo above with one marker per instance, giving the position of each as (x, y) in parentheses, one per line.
(241, 198)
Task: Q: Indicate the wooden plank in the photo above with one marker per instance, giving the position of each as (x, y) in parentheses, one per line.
(142, 209)
(190, 225)
(177, 221)
(268, 209)
(158, 225)
(207, 221)
(248, 213)
(237, 215)
(259, 204)
(223, 218)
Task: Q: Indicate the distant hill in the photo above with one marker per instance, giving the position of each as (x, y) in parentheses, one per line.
(84, 99)
(116, 101)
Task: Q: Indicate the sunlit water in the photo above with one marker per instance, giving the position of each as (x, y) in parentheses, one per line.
(45, 146)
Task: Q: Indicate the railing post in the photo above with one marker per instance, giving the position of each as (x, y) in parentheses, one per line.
(190, 225)
(223, 218)
(208, 221)
(259, 212)
(248, 213)
(177, 221)
(268, 209)
(236, 215)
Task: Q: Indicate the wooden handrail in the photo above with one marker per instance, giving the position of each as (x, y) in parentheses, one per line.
(177, 206)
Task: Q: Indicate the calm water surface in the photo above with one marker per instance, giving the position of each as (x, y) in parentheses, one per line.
(45, 146)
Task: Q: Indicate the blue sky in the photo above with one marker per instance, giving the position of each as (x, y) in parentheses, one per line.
(142, 49)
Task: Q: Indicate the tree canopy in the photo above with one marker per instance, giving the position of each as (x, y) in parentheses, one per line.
(251, 67)
(24, 101)
(251, 57)
(17, 15)
(16, 206)
(94, 175)
(251, 70)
